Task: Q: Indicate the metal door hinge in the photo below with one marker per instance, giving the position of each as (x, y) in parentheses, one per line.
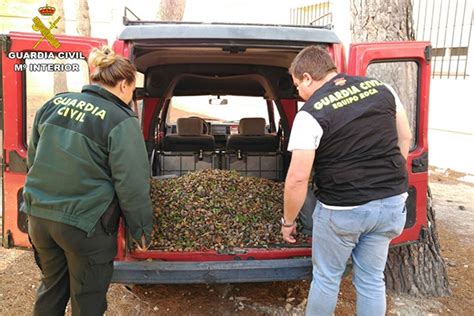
(428, 54)
(5, 43)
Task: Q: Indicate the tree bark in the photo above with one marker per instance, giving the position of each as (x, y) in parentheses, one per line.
(171, 10)
(83, 20)
(419, 268)
(380, 20)
(60, 78)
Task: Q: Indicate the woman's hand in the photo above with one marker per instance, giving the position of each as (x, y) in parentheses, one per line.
(142, 245)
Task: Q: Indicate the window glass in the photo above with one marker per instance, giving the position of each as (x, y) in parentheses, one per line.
(223, 109)
(402, 76)
(140, 80)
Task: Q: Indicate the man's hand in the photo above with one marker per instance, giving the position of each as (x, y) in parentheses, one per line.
(287, 233)
(296, 186)
(142, 245)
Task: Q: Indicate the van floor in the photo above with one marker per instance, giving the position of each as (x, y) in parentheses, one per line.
(455, 219)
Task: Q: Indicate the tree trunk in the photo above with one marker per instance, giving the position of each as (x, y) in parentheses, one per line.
(171, 10)
(380, 20)
(83, 20)
(60, 78)
(385, 21)
(419, 268)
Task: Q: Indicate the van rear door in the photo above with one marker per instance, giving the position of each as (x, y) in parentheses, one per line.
(18, 114)
(405, 66)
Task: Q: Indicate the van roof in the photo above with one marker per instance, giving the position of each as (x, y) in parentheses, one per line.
(303, 35)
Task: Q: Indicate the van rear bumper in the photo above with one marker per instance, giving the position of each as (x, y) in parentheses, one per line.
(163, 272)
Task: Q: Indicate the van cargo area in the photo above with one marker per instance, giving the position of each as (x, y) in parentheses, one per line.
(217, 210)
(216, 105)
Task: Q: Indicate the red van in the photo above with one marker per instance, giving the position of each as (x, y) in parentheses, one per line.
(221, 73)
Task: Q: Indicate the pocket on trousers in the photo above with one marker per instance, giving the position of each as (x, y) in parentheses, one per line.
(98, 272)
(104, 257)
(346, 222)
(397, 223)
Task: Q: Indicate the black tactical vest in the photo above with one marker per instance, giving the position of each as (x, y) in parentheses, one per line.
(358, 159)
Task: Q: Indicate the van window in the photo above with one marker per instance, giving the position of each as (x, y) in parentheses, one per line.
(140, 80)
(40, 86)
(223, 109)
(402, 76)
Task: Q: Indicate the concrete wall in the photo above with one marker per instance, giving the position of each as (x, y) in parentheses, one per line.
(451, 128)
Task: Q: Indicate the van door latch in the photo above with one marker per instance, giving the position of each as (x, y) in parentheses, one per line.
(420, 164)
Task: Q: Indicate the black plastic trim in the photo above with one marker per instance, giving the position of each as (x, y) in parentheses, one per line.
(161, 272)
(420, 164)
(16, 162)
(410, 205)
(6, 43)
(229, 33)
(7, 241)
(22, 219)
(428, 54)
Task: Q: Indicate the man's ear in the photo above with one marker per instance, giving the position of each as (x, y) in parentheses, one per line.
(308, 80)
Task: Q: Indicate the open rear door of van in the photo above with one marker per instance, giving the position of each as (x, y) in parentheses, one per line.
(17, 68)
(405, 66)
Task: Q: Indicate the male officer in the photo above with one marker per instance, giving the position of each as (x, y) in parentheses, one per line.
(358, 132)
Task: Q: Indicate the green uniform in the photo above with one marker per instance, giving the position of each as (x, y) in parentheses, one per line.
(85, 153)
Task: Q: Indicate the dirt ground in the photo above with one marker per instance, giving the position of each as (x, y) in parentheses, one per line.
(453, 201)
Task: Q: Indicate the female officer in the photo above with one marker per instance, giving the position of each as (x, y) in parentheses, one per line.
(87, 161)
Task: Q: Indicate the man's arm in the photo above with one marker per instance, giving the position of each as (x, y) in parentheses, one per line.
(296, 185)
(403, 127)
(403, 131)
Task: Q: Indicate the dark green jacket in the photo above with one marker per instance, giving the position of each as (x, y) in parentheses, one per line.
(85, 150)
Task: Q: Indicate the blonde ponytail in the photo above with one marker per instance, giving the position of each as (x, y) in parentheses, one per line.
(110, 68)
(101, 58)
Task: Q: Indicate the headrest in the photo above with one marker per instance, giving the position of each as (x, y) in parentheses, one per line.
(189, 126)
(252, 126)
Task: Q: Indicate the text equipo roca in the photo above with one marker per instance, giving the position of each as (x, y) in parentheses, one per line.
(45, 55)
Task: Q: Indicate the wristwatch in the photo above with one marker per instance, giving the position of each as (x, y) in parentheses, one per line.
(284, 224)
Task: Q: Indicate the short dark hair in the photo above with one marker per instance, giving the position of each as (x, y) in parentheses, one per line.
(315, 61)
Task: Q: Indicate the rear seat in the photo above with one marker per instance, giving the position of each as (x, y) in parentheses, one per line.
(189, 137)
(252, 137)
(253, 152)
(188, 150)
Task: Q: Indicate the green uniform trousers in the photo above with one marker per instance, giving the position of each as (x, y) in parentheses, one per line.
(73, 266)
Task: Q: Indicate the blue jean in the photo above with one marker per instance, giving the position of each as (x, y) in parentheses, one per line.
(364, 233)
